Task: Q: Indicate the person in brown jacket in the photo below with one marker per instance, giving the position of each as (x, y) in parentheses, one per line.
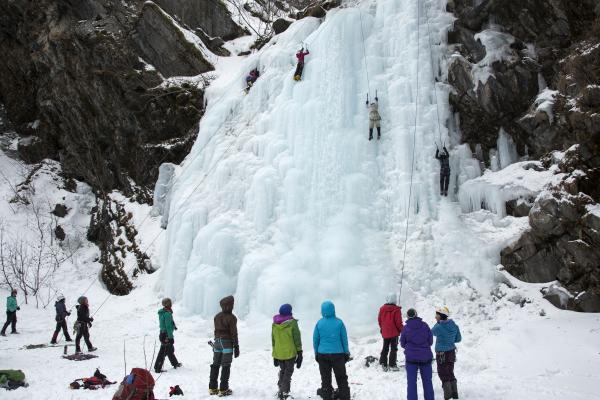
(225, 347)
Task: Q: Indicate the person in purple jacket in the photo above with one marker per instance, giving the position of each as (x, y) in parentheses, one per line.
(416, 339)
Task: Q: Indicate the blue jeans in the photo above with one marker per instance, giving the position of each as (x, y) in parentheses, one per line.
(411, 380)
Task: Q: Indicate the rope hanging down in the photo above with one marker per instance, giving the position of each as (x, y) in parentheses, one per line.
(412, 168)
(362, 33)
(437, 107)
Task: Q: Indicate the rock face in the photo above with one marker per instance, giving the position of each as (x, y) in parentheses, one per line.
(542, 88)
(564, 240)
(77, 85)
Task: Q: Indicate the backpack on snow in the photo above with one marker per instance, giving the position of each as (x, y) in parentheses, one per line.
(138, 385)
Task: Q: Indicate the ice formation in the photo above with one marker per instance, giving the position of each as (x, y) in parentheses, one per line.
(283, 198)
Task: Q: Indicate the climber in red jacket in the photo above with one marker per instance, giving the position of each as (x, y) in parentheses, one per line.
(390, 326)
(300, 67)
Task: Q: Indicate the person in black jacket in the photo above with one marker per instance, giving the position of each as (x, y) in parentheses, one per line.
(61, 319)
(84, 322)
(444, 158)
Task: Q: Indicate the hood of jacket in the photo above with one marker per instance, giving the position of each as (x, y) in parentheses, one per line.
(280, 319)
(389, 307)
(328, 309)
(227, 304)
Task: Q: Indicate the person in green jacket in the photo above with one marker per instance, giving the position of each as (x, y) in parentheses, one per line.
(11, 313)
(167, 341)
(287, 348)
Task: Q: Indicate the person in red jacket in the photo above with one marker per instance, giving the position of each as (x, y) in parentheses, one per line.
(390, 326)
(300, 67)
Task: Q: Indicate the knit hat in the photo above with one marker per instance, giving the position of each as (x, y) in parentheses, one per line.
(285, 310)
(81, 300)
(411, 313)
(390, 298)
(166, 302)
(443, 311)
(14, 291)
(60, 297)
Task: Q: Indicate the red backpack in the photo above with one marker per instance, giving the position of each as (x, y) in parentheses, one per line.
(138, 385)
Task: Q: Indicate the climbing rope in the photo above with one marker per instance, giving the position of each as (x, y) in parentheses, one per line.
(364, 51)
(412, 168)
(437, 107)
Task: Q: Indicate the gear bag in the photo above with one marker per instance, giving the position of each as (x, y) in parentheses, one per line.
(138, 385)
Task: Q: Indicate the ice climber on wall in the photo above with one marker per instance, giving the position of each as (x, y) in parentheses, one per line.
(447, 334)
(300, 66)
(390, 326)
(287, 348)
(444, 158)
(225, 347)
(374, 118)
(416, 340)
(330, 342)
(167, 340)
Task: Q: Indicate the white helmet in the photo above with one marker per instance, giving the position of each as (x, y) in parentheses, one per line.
(60, 297)
(443, 310)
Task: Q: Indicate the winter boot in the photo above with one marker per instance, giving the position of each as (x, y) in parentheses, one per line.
(447, 386)
(378, 133)
(370, 134)
(213, 392)
(90, 349)
(283, 396)
(225, 392)
(454, 390)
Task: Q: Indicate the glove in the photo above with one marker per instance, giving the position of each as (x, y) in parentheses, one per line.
(276, 362)
(376, 99)
(89, 324)
(346, 357)
(299, 360)
(236, 351)
(174, 326)
(317, 357)
(91, 319)
(68, 312)
(19, 308)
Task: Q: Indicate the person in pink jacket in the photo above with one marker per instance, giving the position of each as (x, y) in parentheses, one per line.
(300, 56)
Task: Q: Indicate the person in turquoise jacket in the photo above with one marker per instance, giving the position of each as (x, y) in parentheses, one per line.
(11, 313)
(167, 340)
(330, 342)
(447, 334)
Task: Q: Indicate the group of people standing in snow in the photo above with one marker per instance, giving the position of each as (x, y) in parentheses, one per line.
(331, 349)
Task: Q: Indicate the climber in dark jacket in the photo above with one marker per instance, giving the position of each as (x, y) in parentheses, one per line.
(225, 347)
(84, 322)
(444, 158)
(416, 340)
(167, 340)
(61, 319)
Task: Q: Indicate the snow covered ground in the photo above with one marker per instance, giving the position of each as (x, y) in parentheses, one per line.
(283, 199)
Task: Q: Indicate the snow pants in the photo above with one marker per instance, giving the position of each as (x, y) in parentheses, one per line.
(61, 325)
(444, 181)
(445, 365)
(222, 359)
(298, 72)
(83, 331)
(374, 123)
(286, 370)
(412, 369)
(167, 348)
(11, 319)
(335, 363)
(389, 346)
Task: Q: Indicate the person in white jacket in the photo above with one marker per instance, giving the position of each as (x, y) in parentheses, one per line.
(374, 118)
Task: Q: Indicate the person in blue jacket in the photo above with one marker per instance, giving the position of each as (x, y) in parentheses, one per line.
(447, 334)
(416, 340)
(330, 342)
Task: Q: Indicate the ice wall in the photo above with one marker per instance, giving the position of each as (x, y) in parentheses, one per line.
(283, 198)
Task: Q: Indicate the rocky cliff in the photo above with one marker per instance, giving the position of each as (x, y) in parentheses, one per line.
(83, 82)
(532, 69)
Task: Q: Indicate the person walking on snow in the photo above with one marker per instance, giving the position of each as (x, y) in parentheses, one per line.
(330, 342)
(374, 118)
(287, 348)
(83, 324)
(167, 340)
(447, 334)
(416, 340)
(390, 326)
(11, 313)
(225, 347)
(444, 158)
(300, 66)
(61, 319)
